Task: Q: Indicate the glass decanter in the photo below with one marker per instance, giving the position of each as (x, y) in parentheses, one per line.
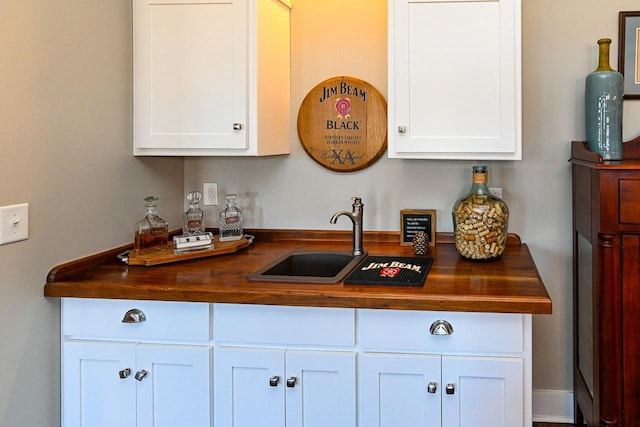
(230, 220)
(193, 218)
(151, 232)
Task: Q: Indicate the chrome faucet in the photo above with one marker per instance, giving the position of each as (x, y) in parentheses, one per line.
(356, 217)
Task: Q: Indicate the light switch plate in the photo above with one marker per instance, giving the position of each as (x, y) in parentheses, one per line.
(14, 223)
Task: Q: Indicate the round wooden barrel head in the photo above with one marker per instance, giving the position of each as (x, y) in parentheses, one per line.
(342, 124)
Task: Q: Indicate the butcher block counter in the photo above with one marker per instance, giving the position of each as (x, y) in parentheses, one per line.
(510, 284)
(157, 339)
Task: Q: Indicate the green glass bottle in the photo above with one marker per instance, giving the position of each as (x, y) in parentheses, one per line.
(480, 220)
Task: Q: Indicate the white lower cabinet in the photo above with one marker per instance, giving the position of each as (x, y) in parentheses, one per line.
(158, 382)
(430, 390)
(271, 387)
(277, 366)
(156, 364)
(430, 369)
(122, 384)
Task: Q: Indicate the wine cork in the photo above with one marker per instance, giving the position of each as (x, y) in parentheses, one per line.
(480, 227)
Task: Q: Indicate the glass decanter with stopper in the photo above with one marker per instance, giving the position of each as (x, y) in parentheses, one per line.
(480, 220)
(193, 218)
(230, 220)
(151, 232)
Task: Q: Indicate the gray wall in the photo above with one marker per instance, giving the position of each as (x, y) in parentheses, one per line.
(65, 120)
(65, 138)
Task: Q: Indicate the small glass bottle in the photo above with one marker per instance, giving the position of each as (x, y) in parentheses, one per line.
(151, 232)
(480, 220)
(230, 220)
(193, 218)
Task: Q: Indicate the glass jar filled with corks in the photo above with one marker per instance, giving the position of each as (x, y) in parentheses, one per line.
(480, 220)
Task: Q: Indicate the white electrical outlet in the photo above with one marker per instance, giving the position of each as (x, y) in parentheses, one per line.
(210, 193)
(14, 223)
(497, 191)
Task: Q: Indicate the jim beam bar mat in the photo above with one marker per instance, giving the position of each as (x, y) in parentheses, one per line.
(386, 270)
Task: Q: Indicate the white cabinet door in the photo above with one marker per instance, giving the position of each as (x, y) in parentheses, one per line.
(190, 73)
(395, 390)
(134, 385)
(249, 388)
(484, 391)
(176, 390)
(211, 77)
(452, 391)
(321, 388)
(273, 387)
(94, 394)
(454, 79)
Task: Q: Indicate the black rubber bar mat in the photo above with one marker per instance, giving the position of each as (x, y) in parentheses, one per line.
(386, 270)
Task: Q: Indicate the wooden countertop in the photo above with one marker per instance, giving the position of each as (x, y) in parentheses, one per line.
(510, 284)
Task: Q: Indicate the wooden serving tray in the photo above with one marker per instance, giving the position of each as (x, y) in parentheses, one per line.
(167, 255)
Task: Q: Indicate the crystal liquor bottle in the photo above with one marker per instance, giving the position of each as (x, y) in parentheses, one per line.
(152, 232)
(193, 218)
(230, 220)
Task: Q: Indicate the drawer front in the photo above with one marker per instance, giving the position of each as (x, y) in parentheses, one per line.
(629, 196)
(409, 331)
(103, 319)
(279, 325)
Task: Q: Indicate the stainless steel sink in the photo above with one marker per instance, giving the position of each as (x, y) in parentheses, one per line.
(309, 267)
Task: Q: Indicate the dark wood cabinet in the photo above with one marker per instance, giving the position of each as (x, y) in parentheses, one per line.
(606, 286)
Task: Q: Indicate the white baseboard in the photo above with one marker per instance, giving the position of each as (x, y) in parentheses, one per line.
(553, 406)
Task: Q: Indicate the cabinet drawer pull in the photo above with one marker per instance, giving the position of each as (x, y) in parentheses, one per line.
(141, 374)
(432, 387)
(402, 129)
(441, 327)
(291, 382)
(451, 389)
(237, 126)
(135, 315)
(274, 381)
(124, 373)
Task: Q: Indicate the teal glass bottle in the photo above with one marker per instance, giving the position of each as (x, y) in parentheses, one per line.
(603, 107)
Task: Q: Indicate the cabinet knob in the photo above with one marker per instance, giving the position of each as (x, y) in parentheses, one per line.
(274, 381)
(432, 387)
(402, 129)
(237, 126)
(450, 389)
(124, 373)
(291, 382)
(441, 327)
(141, 374)
(135, 315)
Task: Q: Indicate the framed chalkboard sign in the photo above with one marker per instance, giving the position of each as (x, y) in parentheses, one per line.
(414, 220)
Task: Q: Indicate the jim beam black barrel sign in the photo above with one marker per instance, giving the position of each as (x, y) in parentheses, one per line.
(342, 124)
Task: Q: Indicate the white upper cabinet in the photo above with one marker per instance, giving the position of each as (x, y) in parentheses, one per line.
(211, 77)
(455, 79)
